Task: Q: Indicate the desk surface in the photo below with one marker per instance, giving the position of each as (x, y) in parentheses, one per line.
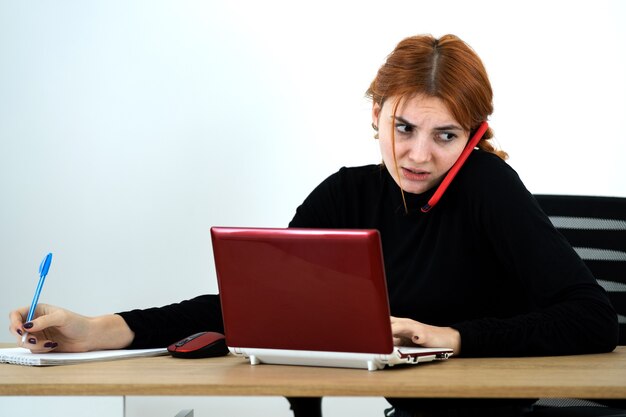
(584, 376)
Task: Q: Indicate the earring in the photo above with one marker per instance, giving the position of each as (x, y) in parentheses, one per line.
(376, 129)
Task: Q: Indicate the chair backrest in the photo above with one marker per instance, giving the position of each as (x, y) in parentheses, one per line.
(596, 228)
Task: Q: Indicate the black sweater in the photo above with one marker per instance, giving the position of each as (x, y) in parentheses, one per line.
(486, 260)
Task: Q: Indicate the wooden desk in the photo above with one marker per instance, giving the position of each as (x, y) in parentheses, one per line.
(586, 376)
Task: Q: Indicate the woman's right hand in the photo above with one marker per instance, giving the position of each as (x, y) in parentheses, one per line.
(61, 330)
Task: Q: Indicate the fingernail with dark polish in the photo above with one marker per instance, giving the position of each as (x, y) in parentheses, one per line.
(19, 331)
(50, 345)
(28, 325)
(32, 341)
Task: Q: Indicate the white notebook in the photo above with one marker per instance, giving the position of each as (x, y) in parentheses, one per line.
(21, 356)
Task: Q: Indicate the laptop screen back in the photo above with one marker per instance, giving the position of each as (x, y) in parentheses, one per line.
(303, 289)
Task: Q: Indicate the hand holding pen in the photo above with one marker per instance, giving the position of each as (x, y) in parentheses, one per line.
(43, 272)
(63, 330)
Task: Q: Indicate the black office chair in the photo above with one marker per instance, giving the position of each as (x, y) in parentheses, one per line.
(596, 228)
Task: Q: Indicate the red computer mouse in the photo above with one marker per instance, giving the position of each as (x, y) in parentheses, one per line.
(200, 345)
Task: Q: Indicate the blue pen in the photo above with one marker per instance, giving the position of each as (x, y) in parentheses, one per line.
(43, 271)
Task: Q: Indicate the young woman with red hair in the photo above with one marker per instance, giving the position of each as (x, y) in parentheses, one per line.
(482, 270)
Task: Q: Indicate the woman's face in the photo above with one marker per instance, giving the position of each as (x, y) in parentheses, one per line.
(428, 141)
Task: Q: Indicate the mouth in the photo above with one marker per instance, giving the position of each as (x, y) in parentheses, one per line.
(415, 174)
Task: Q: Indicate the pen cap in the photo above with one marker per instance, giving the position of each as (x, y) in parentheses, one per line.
(45, 265)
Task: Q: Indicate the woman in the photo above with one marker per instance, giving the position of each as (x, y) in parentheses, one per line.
(483, 272)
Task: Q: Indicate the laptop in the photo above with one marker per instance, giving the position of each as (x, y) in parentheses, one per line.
(313, 297)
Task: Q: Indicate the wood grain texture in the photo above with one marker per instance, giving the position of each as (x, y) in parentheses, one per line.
(582, 376)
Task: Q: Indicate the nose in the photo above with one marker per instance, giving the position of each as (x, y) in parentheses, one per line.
(420, 149)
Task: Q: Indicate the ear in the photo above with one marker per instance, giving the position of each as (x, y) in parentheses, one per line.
(375, 114)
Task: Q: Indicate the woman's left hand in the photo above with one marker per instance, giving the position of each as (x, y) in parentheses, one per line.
(407, 332)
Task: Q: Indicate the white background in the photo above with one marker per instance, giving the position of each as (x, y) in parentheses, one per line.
(128, 128)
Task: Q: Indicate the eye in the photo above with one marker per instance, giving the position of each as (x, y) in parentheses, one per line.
(446, 136)
(404, 128)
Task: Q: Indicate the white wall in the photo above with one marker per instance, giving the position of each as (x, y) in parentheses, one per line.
(128, 128)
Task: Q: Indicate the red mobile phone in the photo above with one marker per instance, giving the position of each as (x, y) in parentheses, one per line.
(457, 165)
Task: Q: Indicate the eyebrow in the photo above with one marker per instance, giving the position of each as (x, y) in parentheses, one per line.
(438, 128)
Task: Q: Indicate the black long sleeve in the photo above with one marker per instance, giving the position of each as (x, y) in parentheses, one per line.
(161, 326)
(486, 260)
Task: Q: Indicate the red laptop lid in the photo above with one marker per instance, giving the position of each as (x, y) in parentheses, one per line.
(303, 289)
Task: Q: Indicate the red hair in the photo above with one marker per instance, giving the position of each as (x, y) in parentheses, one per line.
(446, 68)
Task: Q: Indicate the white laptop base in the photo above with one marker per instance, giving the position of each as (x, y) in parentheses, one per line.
(370, 361)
